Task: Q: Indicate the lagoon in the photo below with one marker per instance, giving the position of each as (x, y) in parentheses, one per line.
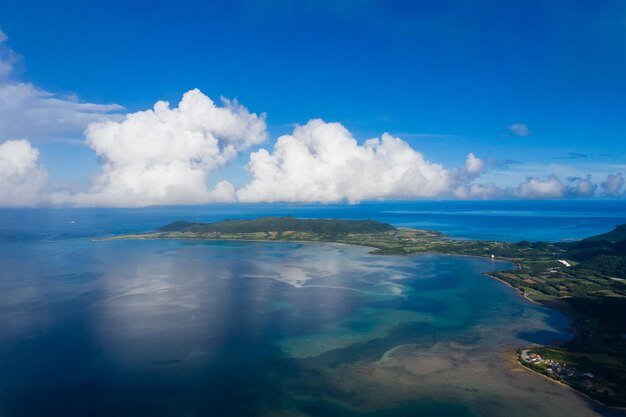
(171, 328)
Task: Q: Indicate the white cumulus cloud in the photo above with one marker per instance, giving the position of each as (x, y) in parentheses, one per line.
(224, 192)
(581, 187)
(613, 184)
(537, 188)
(322, 162)
(163, 155)
(476, 191)
(473, 165)
(21, 177)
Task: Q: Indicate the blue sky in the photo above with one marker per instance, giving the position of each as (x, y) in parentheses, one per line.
(448, 77)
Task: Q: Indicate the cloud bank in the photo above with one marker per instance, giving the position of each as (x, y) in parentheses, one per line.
(552, 187)
(37, 114)
(163, 155)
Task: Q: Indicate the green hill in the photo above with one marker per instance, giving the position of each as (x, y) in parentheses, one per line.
(616, 235)
(603, 254)
(281, 224)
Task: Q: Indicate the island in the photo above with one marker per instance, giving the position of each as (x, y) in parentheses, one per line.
(585, 280)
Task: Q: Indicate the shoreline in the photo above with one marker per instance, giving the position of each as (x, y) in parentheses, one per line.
(574, 331)
(563, 384)
(518, 291)
(114, 239)
(522, 293)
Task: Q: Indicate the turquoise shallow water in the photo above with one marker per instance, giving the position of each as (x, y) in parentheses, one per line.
(172, 328)
(166, 328)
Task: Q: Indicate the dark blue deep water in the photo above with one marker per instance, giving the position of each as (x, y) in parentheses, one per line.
(167, 328)
(498, 220)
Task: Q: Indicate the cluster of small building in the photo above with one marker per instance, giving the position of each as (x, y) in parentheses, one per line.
(568, 374)
(554, 368)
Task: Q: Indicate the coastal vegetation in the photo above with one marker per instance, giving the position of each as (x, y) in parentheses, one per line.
(281, 224)
(585, 279)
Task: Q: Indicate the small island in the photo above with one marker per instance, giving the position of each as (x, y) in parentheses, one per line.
(586, 280)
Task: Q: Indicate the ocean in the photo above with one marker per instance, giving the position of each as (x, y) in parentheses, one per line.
(174, 328)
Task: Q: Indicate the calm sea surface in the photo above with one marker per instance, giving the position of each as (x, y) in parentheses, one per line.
(168, 328)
